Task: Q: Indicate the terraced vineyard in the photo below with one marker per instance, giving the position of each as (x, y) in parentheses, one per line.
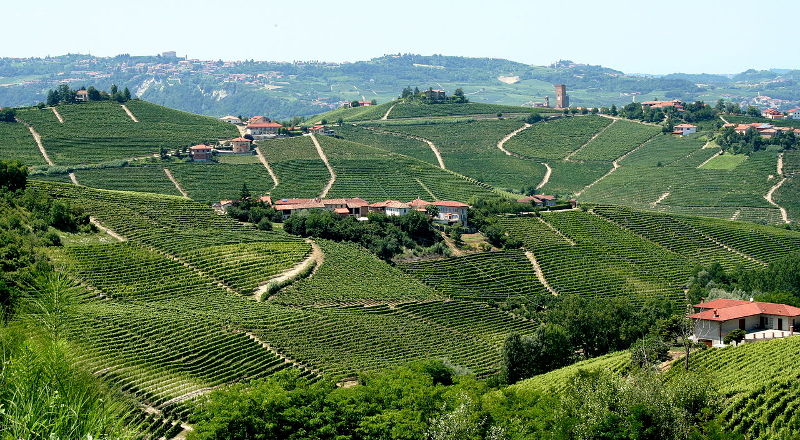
(146, 178)
(17, 143)
(300, 170)
(758, 384)
(102, 131)
(470, 148)
(617, 139)
(376, 137)
(211, 182)
(556, 139)
(483, 276)
(557, 380)
(374, 175)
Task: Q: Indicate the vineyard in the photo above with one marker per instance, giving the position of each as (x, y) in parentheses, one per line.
(758, 382)
(415, 110)
(374, 174)
(16, 142)
(470, 148)
(554, 140)
(102, 131)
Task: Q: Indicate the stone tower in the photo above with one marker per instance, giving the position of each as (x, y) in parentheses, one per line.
(562, 100)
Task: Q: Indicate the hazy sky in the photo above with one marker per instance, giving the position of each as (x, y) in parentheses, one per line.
(635, 36)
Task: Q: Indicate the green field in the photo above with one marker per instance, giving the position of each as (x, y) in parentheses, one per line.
(16, 142)
(724, 162)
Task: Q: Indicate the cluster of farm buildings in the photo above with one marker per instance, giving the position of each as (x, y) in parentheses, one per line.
(772, 113)
(762, 128)
(447, 211)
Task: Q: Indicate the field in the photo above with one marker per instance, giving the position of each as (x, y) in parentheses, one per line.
(556, 139)
(146, 178)
(724, 162)
(102, 131)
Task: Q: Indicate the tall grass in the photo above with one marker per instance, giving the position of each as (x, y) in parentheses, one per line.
(42, 393)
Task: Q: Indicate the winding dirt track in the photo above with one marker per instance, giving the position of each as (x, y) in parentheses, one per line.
(315, 257)
(768, 196)
(501, 147)
(546, 177)
(39, 144)
(574, 152)
(324, 158)
(386, 115)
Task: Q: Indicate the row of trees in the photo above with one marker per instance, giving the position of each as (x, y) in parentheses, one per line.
(429, 97)
(8, 115)
(428, 400)
(64, 95)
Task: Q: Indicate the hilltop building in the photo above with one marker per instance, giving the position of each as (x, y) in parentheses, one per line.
(772, 113)
(349, 104)
(231, 120)
(347, 207)
(435, 94)
(169, 54)
(201, 152)
(675, 103)
(562, 99)
(716, 318)
(82, 96)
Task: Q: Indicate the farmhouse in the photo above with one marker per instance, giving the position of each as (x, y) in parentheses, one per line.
(200, 152)
(449, 212)
(793, 113)
(684, 129)
(231, 120)
(435, 94)
(716, 318)
(82, 96)
(349, 104)
(539, 200)
(347, 207)
(240, 145)
(258, 120)
(675, 103)
(262, 129)
(392, 208)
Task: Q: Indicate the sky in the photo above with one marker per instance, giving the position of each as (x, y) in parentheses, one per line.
(635, 36)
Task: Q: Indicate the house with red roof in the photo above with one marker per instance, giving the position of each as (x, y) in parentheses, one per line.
(451, 212)
(715, 319)
(675, 103)
(684, 129)
(793, 113)
(201, 152)
(260, 130)
(539, 200)
(82, 95)
(240, 145)
(772, 113)
(346, 207)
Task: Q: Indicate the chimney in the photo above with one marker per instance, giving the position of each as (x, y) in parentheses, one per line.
(716, 315)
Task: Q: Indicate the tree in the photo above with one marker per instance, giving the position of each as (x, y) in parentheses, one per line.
(720, 107)
(354, 103)
(245, 193)
(613, 110)
(533, 118)
(13, 175)
(8, 115)
(126, 94)
(114, 89)
(516, 359)
(65, 94)
(734, 336)
(52, 98)
(753, 111)
(458, 96)
(94, 94)
(649, 351)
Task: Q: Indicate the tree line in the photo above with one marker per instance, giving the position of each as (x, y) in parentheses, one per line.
(63, 94)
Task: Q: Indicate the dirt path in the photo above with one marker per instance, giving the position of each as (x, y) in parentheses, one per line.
(569, 156)
(768, 196)
(327, 165)
(539, 273)
(546, 177)
(175, 182)
(58, 115)
(263, 160)
(428, 190)
(454, 250)
(73, 179)
(723, 119)
(314, 260)
(242, 129)
(709, 159)
(39, 144)
(431, 145)
(386, 115)
(509, 136)
(660, 199)
(189, 396)
(129, 112)
(629, 120)
(615, 164)
(736, 214)
(108, 231)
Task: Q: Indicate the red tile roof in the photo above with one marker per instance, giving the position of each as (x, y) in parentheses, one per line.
(341, 211)
(727, 309)
(685, 126)
(240, 139)
(199, 147)
(264, 125)
(450, 204)
(419, 203)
